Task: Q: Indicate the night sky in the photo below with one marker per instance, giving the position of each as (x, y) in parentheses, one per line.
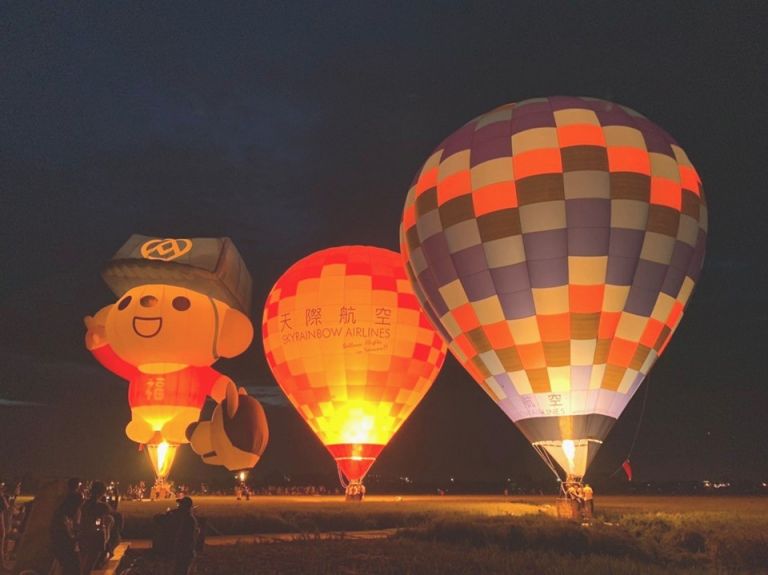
(298, 127)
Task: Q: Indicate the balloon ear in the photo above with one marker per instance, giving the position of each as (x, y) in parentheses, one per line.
(235, 334)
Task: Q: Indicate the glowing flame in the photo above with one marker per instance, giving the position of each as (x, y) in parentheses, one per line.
(242, 476)
(569, 448)
(357, 423)
(162, 455)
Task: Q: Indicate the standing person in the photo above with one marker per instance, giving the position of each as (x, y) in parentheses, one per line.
(589, 503)
(64, 527)
(185, 541)
(75, 485)
(5, 505)
(96, 528)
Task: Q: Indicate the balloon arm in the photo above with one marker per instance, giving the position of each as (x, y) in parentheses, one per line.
(96, 335)
(106, 356)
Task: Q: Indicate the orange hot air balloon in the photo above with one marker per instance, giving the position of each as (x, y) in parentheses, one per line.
(347, 341)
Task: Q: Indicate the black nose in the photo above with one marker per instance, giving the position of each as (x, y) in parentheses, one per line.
(148, 301)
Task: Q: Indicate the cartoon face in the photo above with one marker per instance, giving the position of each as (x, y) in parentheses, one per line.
(158, 324)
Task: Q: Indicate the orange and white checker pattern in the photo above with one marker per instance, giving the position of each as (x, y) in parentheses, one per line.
(348, 343)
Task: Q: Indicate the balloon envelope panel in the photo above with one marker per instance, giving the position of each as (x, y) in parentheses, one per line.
(347, 341)
(556, 241)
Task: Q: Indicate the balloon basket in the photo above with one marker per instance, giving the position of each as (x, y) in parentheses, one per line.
(568, 509)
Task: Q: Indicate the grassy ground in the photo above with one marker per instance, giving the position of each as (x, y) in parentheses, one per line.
(267, 514)
(457, 535)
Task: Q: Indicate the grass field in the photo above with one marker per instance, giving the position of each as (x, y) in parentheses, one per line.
(475, 534)
(276, 514)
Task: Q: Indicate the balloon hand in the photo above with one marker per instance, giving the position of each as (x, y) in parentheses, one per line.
(96, 336)
(237, 434)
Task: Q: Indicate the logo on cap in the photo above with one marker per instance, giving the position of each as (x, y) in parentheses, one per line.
(165, 249)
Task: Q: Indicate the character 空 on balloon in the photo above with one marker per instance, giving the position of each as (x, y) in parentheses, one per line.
(349, 345)
(183, 304)
(555, 243)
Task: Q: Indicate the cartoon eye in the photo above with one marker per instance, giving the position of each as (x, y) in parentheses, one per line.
(148, 301)
(124, 303)
(181, 303)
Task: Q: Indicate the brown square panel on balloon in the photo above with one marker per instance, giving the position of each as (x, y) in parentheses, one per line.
(426, 202)
(481, 368)
(578, 158)
(584, 325)
(613, 376)
(539, 379)
(510, 359)
(456, 210)
(557, 353)
(601, 350)
(691, 204)
(663, 219)
(498, 225)
(639, 358)
(479, 340)
(541, 188)
(630, 186)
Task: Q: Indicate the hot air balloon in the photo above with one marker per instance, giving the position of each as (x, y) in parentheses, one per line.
(182, 304)
(555, 243)
(349, 345)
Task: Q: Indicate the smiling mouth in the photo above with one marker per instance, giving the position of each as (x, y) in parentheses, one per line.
(147, 326)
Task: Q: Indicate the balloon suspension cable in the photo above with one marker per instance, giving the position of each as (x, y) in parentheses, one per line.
(544, 454)
(342, 480)
(637, 429)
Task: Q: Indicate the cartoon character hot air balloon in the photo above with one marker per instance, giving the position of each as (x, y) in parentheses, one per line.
(183, 304)
(348, 343)
(556, 242)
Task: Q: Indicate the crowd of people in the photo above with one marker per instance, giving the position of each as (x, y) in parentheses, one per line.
(242, 490)
(85, 529)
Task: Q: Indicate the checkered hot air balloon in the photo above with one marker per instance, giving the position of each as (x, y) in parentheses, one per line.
(349, 345)
(555, 243)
